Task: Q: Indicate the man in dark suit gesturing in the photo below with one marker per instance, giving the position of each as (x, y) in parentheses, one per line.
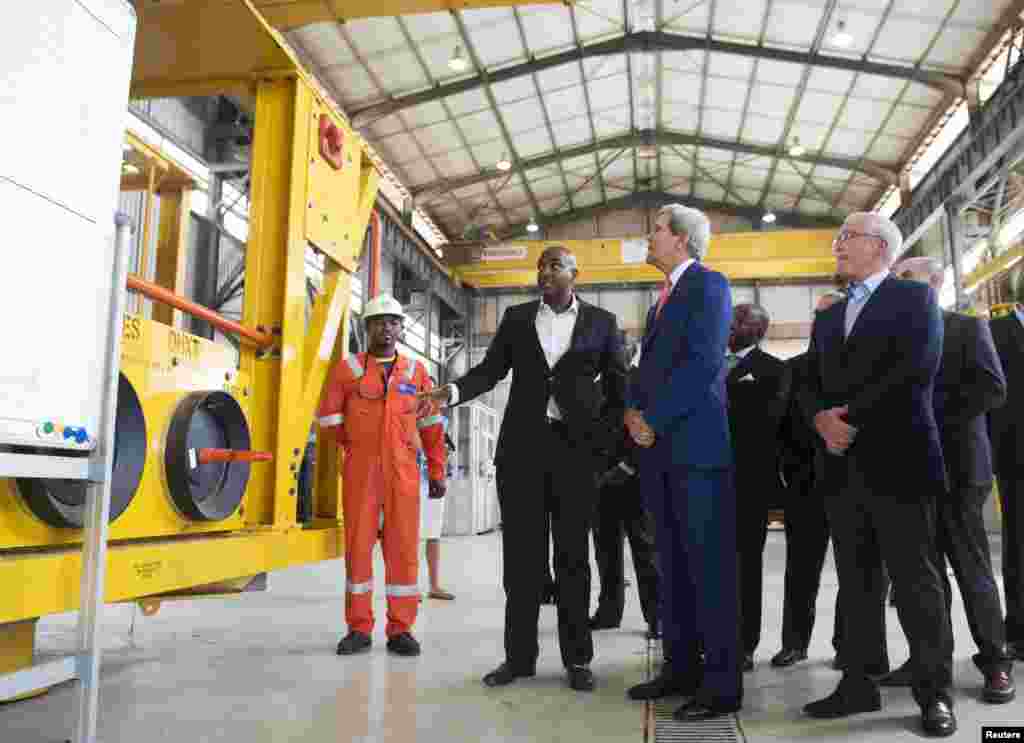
(871, 372)
(568, 379)
(677, 412)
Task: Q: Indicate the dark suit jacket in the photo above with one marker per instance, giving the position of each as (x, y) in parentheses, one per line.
(969, 384)
(885, 373)
(1005, 422)
(681, 380)
(798, 441)
(588, 382)
(756, 390)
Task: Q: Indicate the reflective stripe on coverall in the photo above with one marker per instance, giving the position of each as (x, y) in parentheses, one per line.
(380, 430)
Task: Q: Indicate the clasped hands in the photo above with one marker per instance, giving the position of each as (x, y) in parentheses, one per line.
(638, 429)
(833, 428)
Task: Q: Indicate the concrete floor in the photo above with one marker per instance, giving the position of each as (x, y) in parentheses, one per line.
(261, 667)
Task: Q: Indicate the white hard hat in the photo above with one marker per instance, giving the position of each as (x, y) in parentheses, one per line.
(383, 304)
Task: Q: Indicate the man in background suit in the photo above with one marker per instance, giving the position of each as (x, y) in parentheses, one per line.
(873, 360)
(969, 384)
(807, 531)
(621, 512)
(677, 413)
(756, 387)
(1006, 426)
(554, 425)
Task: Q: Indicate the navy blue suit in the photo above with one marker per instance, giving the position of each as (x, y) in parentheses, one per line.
(687, 481)
(881, 495)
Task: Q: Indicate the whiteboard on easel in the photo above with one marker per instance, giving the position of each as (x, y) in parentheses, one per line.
(65, 67)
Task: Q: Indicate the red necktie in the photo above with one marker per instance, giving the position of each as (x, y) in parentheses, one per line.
(666, 289)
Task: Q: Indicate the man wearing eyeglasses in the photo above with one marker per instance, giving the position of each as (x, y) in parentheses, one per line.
(370, 403)
(871, 371)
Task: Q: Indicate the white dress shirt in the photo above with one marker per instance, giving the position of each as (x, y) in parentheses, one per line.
(554, 331)
(678, 272)
(863, 291)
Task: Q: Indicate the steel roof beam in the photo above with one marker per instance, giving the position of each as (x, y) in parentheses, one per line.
(885, 172)
(655, 41)
(656, 199)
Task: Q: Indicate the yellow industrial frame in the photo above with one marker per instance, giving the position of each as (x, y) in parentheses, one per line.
(301, 197)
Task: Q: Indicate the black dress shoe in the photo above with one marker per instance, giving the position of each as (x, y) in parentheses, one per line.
(663, 685)
(748, 662)
(902, 676)
(403, 644)
(354, 642)
(696, 711)
(847, 699)
(505, 674)
(937, 718)
(580, 678)
(788, 656)
(999, 687)
(598, 622)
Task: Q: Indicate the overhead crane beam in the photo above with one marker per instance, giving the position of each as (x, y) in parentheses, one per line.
(885, 172)
(289, 14)
(656, 41)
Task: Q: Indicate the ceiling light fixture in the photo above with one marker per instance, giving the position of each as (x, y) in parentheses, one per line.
(504, 163)
(458, 62)
(532, 226)
(796, 149)
(768, 217)
(842, 38)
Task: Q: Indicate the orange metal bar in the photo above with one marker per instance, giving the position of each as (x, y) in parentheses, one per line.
(160, 294)
(205, 456)
(375, 254)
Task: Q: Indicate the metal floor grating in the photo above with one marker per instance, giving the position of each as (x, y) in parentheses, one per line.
(660, 727)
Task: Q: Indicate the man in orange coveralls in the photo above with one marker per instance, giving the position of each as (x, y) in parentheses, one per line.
(370, 404)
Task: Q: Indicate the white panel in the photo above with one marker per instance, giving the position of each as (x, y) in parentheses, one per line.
(455, 163)
(426, 114)
(604, 66)
(533, 142)
(680, 117)
(608, 91)
(569, 103)
(547, 189)
(498, 44)
(438, 138)
(429, 25)
(386, 127)
(835, 174)
(469, 102)
(713, 155)
(890, 149)
(324, 43)
(709, 191)
(563, 76)
(610, 126)
(739, 17)
(779, 73)
(772, 100)
(812, 136)
(818, 107)
(478, 127)
(980, 12)
(861, 26)
(515, 89)
(598, 18)
(827, 80)
(849, 143)
(352, 82)
(587, 197)
(726, 93)
(763, 130)
(373, 35)
(417, 171)
(436, 54)
(786, 304)
(488, 153)
(721, 124)
(904, 40)
(694, 18)
(878, 88)
(955, 47)
(730, 65)
(750, 195)
(398, 71)
(776, 200)
(790, 183)
(864, 116)
(548, 171)
(485, 16)
(621, 168)
(688, 63)
(522, 115)
(749, 177)
(673, 166)
(792, 23)
(547, 27)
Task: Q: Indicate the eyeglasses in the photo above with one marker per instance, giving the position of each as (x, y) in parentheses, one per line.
(845, 235)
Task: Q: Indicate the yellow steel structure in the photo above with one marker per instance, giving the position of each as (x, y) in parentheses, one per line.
(300, 200)
(286, 14)
(994, 268)
(789, 254)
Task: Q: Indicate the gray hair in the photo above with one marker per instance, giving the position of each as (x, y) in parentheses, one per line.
(884, 228)
(694, 223)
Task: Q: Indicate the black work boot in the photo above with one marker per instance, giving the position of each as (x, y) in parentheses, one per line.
(403, 644)
(354, 642)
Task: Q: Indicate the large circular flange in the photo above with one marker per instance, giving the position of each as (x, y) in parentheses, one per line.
(61, 503)
(212, 491)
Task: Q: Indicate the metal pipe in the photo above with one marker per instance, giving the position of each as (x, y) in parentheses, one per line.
(160, 294)
(375, 254)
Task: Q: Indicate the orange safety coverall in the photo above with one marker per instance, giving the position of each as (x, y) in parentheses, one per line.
(380, 429)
